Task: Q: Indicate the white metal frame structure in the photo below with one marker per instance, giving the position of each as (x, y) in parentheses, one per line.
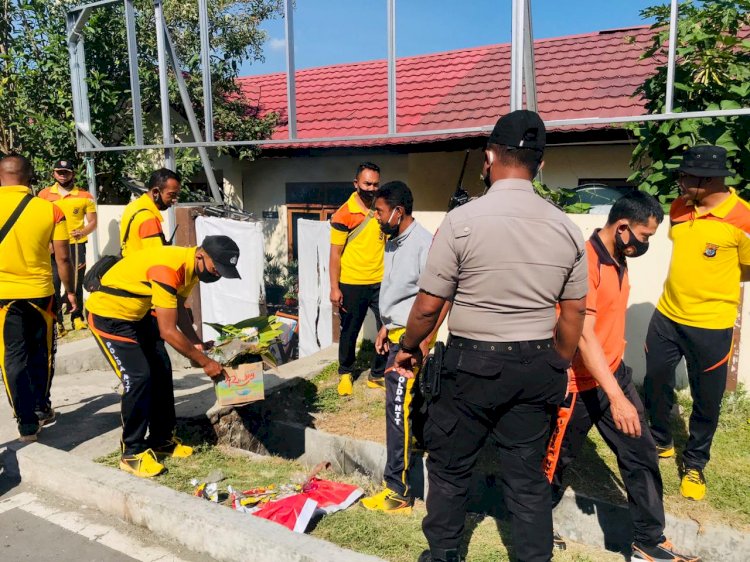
(523, 85)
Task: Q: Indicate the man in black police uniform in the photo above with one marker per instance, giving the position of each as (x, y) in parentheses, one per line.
(506, 261)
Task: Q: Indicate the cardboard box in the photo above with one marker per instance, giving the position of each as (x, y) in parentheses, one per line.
(245, 385)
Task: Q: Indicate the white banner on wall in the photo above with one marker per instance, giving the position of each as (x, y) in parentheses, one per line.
(315, 322)
(231, 300)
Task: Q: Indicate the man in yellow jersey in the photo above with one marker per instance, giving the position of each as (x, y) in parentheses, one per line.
(710, 230)
(405, 258)
(27, 227)
(120, 319)
(79, 208)
(356, 270)
(140, 226)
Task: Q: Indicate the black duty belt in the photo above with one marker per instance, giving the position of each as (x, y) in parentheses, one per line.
(499, 346)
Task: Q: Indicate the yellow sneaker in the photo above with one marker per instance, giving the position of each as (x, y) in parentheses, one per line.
(389, 502)
(61, 330)
(79, 324)
(143, 465)
(665, 452)
(174, 449)
(693, 485)
(345, 385)
(376, 382)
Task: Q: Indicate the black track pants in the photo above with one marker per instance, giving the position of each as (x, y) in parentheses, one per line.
(139, 358)
(27, 355)
(357, 300)
(707, 355)
(636, 456)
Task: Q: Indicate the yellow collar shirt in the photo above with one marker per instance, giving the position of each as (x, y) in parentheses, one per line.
(25, 268)
(362, 260)
(75, 204)
(151, 278)
(145, 231)
(702, 289)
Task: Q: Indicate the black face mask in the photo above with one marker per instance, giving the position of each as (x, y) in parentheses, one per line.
(205, 276)
(367, 196)
(639, 247)
(159, 202)
(389, 229)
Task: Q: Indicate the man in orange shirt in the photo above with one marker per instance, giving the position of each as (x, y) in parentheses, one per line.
(601, 391)
(79, 208)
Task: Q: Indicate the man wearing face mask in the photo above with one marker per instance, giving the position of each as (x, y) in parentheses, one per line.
(140, 226)
(695, 316)
(356, 270)
(80, 213)
(600, 387)
(121, 320)
(405, 257)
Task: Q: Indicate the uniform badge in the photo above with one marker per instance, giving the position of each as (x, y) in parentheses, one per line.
(710, 250)
(76, 211)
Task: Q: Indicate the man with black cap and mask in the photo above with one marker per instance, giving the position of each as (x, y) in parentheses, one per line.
(695, 316)
(356, 270)
(601, 390)
(140, 226)
(79, 208)
(121, 320)
(507, 260)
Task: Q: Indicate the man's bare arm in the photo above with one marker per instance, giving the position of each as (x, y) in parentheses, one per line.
(167, 320)
(624, 412)
(424, 318)
(334, 272)
(569, 327)
(65, 270)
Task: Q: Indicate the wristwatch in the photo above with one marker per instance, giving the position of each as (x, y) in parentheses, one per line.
(403, 347)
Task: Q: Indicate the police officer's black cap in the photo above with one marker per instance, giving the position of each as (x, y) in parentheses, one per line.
(705, 161)
(65, 165)
(224, 253)
(520, 129)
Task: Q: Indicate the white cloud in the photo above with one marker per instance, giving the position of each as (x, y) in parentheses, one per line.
(277, 44)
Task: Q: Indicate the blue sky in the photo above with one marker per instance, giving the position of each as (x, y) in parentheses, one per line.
(342, 31)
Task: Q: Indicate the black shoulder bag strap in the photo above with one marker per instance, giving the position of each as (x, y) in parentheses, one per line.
(14, 216)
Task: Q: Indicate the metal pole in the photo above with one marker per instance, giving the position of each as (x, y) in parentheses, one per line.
(391, 66)
(208, 101)
(529, 68)
(91, 177)
(291, 88)
(135, 83)
(669, 104)
(190, 114)
(166, 121)
(517, 56)
(74, 77)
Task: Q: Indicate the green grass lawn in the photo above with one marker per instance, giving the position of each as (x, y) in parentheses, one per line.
(595, 473)
(397, 538)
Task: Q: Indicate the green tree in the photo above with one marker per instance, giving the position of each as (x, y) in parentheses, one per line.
(712, 72)
(36, 116)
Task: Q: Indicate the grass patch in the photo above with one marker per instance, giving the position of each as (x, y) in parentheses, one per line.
(395, 538)
(727, 500)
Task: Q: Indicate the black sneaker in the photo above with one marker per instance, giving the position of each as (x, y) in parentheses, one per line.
(662, 552)
(558, 543)
(440, 556)
(46, 416)
(27, 432)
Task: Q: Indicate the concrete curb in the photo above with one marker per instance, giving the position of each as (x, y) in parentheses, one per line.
(582, 519)
(84, 355)
(217, 531)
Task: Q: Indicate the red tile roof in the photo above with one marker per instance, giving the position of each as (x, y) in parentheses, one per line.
(591, 75)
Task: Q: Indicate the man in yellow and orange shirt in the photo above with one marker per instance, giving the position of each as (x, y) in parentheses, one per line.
(695, 316)
(79, 208)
